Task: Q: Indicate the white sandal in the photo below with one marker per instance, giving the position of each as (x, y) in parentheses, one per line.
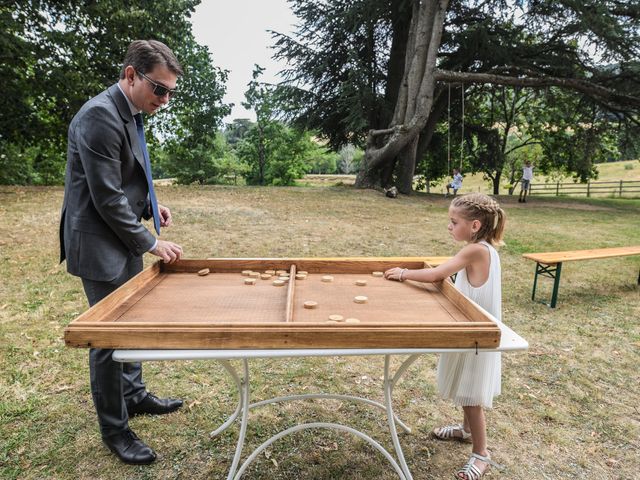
(471, 472)
(450, 432)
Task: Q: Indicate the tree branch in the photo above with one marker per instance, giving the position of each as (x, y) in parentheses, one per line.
(605, 95)
(522, 145)
(387, 131)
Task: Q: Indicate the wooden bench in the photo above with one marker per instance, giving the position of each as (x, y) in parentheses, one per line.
(549, 264)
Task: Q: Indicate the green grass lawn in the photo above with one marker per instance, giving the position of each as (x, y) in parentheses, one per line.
(569, 407)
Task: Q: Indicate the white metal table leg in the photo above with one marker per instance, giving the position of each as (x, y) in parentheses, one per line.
(244, 406)
(400, 466)
(232, 371)
(335, 426)
(389, 383)
(330, 396)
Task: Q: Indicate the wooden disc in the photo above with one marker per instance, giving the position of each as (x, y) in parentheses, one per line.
(254, 274)
(284, 279)
(361, 283)
(360, 299)
(300, 276)
(249, 281)
(278, 283)
(265, 276)
(352, 320)
(302, 272)
(270, 272)
(327, 278)
(377, 274)
(280, 272)
(203, 272)
(246, 272)
(336, 318)
(310, 304)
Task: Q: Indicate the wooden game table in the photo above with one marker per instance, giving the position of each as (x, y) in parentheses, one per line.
(170, 306)
(170, 312)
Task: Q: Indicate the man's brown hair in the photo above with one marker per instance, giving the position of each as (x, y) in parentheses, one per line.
(144, 55)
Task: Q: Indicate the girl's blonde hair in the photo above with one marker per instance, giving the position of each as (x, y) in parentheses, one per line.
(481, 207)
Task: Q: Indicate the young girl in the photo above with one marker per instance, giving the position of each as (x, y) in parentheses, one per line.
(470, 380)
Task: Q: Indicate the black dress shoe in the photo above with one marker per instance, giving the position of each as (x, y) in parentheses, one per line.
(129, 448)
(152, 405)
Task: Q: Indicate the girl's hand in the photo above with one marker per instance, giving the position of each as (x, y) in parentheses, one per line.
(393, 273)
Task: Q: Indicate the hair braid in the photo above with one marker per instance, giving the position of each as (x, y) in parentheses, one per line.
(485, 209)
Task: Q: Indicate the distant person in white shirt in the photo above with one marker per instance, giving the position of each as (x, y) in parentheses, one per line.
(455, 183)
(525, 186)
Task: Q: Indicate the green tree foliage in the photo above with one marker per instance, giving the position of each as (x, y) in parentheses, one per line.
(58, 54)
(194, 164)
(590, 48)
(275, 153)
(575, 135)
(237, 130)
(320, 160)
(342, 80)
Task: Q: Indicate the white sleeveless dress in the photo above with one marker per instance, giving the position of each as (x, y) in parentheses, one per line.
(473, 379)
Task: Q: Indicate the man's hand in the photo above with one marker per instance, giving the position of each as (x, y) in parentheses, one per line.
(168, 251)
(165, 216)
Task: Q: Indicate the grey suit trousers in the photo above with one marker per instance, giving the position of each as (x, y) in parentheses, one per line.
(114, 385)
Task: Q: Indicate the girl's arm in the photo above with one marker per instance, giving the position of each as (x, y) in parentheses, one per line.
(470, 254)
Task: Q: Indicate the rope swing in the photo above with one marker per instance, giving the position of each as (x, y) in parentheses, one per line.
(449, 129)
(462, 129)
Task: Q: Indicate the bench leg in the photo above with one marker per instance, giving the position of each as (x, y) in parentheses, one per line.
(535, 282)
(551, 271)
(556, 284)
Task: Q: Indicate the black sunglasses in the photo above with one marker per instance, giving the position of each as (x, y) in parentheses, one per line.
(159, 90)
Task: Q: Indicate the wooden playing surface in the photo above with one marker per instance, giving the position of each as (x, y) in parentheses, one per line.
(171, 306)
(215, 298)
(388, 301)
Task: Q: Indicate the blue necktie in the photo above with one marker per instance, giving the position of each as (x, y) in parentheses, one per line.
(147, 170)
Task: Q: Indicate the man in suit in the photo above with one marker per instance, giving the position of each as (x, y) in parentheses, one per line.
(108, 190)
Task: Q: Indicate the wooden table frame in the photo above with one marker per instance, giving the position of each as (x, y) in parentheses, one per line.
(469, 326)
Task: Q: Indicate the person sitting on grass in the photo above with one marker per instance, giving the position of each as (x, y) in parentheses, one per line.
(455, 183)
(470, 380)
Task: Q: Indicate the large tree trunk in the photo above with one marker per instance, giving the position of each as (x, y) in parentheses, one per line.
(414, 102)
(394, 149)
(496, 182)
(400, 23)
(407, 166)
(261, 154)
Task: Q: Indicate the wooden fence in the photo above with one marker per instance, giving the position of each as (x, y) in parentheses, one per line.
(621, 188)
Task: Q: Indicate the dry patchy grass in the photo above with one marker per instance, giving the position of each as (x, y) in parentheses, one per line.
(569, 407)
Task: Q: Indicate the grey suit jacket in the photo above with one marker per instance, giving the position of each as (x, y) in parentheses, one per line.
(106, 192)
